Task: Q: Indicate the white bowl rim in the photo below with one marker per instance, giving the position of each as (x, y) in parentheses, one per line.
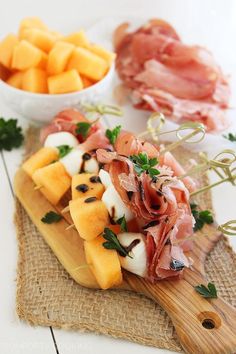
(59, 95)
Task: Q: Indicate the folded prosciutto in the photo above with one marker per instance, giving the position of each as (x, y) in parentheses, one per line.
(159, 202)
(164, 74)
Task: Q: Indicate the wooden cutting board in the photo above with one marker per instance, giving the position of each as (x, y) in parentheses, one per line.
(204, 326)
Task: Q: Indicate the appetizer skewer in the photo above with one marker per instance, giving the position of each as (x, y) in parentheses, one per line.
(131, 206)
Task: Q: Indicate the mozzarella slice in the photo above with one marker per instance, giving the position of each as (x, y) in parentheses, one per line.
(73, 161)
(105, 178)
(115, 204)
(138, 263)
(61, 138)
(91, 166)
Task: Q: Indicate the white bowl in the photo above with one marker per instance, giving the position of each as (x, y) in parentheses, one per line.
(42, 107)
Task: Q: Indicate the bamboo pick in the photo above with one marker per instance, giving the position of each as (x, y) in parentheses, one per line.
(65, 210)
(70, 227)
(36, 188)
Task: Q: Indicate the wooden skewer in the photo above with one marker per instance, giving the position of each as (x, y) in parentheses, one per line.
(70, 227)
(36, 188)
(65, 210)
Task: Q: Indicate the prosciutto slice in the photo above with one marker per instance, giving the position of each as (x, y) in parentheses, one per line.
(164, 74)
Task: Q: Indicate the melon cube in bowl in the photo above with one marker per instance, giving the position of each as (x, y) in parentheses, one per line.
(68, 81)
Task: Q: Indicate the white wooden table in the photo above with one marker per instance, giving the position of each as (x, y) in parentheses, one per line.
(211, 23)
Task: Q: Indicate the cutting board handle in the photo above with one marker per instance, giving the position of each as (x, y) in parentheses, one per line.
(203, 326)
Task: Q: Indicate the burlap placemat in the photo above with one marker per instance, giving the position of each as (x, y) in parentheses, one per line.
(47, 296)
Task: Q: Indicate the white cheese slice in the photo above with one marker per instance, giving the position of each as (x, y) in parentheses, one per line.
(138, 263)
(115, 204)
(61, 138)
(105, 178)
(73, 161)
(91, 166)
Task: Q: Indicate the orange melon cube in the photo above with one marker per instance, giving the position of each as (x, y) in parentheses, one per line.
(7, 46)
(16, 80)
(35, 80)
(88, 64)
(103, 53)
(69, 81)
(104, 263)
(89, 215)
(25, 56)
(31, 22)
(41, 39)
(58, 57)
(43, 62)
(79, 39)
(53, 180)
(39, 159)
(86, 185)
(4, 72)
(86, 81)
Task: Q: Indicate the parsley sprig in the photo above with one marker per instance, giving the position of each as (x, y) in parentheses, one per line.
(112, 243)
(10, 134)
(143, 164)
(208, 292)
(201, 217)
(113, 134)
(51, 217)
(123, 224)
(64, 150)
(83, 128)
(230, 137)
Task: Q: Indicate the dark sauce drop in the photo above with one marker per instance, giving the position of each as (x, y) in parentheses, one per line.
(129, 195)
(176, 265)
(86, 156)
(150, 224)
(90, 200)
(132, 245)
(95, 179)
(82, 188)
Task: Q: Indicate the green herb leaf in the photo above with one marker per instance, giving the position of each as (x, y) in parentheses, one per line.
(10, 134)
(64, 150)
(230, 137)
(201, 217)
(123, 224)
(207, 292)
(143, 164)
(83, 128)
(51, 217)
(113, 243)
(113, 134)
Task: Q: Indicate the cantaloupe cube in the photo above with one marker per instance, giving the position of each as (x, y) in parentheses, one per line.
(89, 215)
(69, 81)
(25, 56)
(79, 39)
(31, 22)
(58, 57)
(86, 185)
(88, 64)
(35, 80)
(41, 39)
(104, 263)
(103, 53)
(4, 72)
(53, 180)
(16, 80)
(41, 158)
(43, 62)
(86, 81)
(7, 46)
